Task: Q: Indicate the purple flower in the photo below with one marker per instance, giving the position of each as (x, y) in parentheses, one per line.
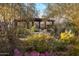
(46, 53)
(17, 52)
(34, 53)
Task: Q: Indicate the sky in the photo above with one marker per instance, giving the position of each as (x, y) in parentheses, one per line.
(40, 7)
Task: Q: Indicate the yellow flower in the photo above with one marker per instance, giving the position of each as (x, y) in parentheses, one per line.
(66, 35)
(62, 35)
(40, 36)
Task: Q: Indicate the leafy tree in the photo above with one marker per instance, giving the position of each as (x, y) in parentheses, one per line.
(68, 9)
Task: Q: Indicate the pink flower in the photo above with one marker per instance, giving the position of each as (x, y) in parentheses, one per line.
(34, 53)
(46, 53)
(17, 52)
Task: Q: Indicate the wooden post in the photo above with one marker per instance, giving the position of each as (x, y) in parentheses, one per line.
(32, 23)
(27, 25)
(45, 24)
(39, 24)
(52, 22)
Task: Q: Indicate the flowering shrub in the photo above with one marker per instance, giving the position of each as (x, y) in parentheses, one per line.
(39, 36)
(48, 48)
(31, 53)
(17, 52)
(41, 44)
(66, 35)
(38, 42)
(43, 47)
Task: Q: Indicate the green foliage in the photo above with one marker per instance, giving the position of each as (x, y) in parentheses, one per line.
(38, 42)
(68, 9)
(43, 42)
(59, 45)
(33, 28)
(22, 32)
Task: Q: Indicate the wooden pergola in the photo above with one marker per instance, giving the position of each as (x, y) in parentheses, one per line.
(38, 20)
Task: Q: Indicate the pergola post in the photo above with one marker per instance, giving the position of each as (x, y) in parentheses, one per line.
(39, 24)
(15, 23)
(45, 24)
(27, 25)
(52, 22)
(32, 23)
